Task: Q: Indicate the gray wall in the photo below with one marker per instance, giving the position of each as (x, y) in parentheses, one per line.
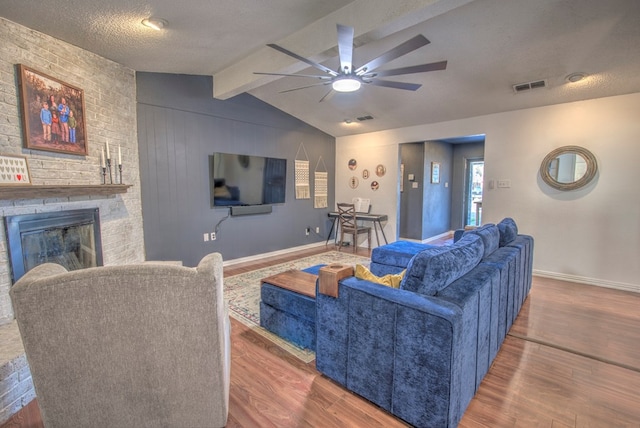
(461, 153)
(436, 214)
(179, 126)
(425, 211)
(411, 199)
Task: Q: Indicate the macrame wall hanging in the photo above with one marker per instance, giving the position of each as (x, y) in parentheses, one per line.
(321, 186)
(303, 190)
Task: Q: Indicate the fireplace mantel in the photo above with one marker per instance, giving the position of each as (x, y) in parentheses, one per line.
(60, 191)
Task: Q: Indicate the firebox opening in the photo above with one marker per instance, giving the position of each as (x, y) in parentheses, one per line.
(68, 238)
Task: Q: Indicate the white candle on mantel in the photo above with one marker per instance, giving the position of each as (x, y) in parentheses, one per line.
(108, 154)
(102, 158)
(119, 155)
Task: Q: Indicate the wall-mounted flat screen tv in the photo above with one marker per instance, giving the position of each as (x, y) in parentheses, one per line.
(240, 180)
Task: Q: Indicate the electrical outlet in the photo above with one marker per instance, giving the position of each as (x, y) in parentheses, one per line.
(206, 237)
(213, 236)
(307, 231)
(317, 229)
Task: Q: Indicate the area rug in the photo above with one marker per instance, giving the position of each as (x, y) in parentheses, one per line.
(242, 293)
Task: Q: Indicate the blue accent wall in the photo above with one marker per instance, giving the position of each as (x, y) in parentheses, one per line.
(436, 214)
(179, 125)
(411, 199)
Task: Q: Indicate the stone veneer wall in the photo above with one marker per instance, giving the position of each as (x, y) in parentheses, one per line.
(110, 103)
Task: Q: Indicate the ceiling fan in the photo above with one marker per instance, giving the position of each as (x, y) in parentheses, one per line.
(346, 79)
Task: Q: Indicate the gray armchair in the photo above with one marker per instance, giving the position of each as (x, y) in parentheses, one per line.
(142, 345)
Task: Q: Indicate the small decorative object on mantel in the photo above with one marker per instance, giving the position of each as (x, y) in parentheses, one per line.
(14, 170)
(109, 164)
(435, 172)
(120, 163)
(105, 164)
(303, 190)
(53, 113)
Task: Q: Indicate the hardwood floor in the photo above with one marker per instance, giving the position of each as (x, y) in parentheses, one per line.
(571, 360)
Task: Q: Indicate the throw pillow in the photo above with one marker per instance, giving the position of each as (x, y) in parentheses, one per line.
(508, 231)
(490, 235)
(390, 280)
(432, 270)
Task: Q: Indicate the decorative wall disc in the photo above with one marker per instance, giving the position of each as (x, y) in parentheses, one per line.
(353, 164)
(365, 174)
(353, 182)
(374, 185)
(381, 170)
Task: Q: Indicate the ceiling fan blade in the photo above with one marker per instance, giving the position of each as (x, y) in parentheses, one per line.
(305, 60)
(315, 76)
(304, 87)
(395, 85)
(400, 50)
(413, 69)
(345, 48)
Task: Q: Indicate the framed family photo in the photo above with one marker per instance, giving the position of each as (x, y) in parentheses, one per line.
(53, 113)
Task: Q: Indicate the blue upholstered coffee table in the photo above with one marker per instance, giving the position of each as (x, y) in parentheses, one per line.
(288, 305)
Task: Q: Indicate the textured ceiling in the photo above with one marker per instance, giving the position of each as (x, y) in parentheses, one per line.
(490, 45)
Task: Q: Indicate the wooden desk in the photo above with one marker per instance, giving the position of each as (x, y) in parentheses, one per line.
(376, 219)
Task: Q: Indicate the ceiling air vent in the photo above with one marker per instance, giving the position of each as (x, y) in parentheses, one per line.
(521, 87)
(362, 118)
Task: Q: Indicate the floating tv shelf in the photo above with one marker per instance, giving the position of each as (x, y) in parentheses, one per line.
(55, 191)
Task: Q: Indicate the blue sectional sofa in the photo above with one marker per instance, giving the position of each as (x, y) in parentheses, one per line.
(421, 351)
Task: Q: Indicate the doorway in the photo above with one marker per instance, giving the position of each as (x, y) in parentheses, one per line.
(473, 196)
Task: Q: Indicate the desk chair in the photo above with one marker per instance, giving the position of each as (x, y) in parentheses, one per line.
(349, 226)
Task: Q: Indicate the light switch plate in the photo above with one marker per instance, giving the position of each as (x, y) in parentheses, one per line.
(504, 184)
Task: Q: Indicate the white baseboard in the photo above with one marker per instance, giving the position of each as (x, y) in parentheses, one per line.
(435, 238)
(430, 239)
(271, 254)
(589, 281)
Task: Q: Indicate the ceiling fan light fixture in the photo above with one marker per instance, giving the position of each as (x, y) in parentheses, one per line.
(155, 23)
(346, 84)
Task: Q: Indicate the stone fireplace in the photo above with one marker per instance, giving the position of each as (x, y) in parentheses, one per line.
(68, 238)
(110, 97)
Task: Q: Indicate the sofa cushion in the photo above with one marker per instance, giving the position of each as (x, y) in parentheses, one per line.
(508, 231)
(397, 253)
(433, 269)
(315, 270)
(390, 280)
(490, 236)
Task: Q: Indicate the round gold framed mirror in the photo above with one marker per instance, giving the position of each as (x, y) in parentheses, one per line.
(568, 168)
